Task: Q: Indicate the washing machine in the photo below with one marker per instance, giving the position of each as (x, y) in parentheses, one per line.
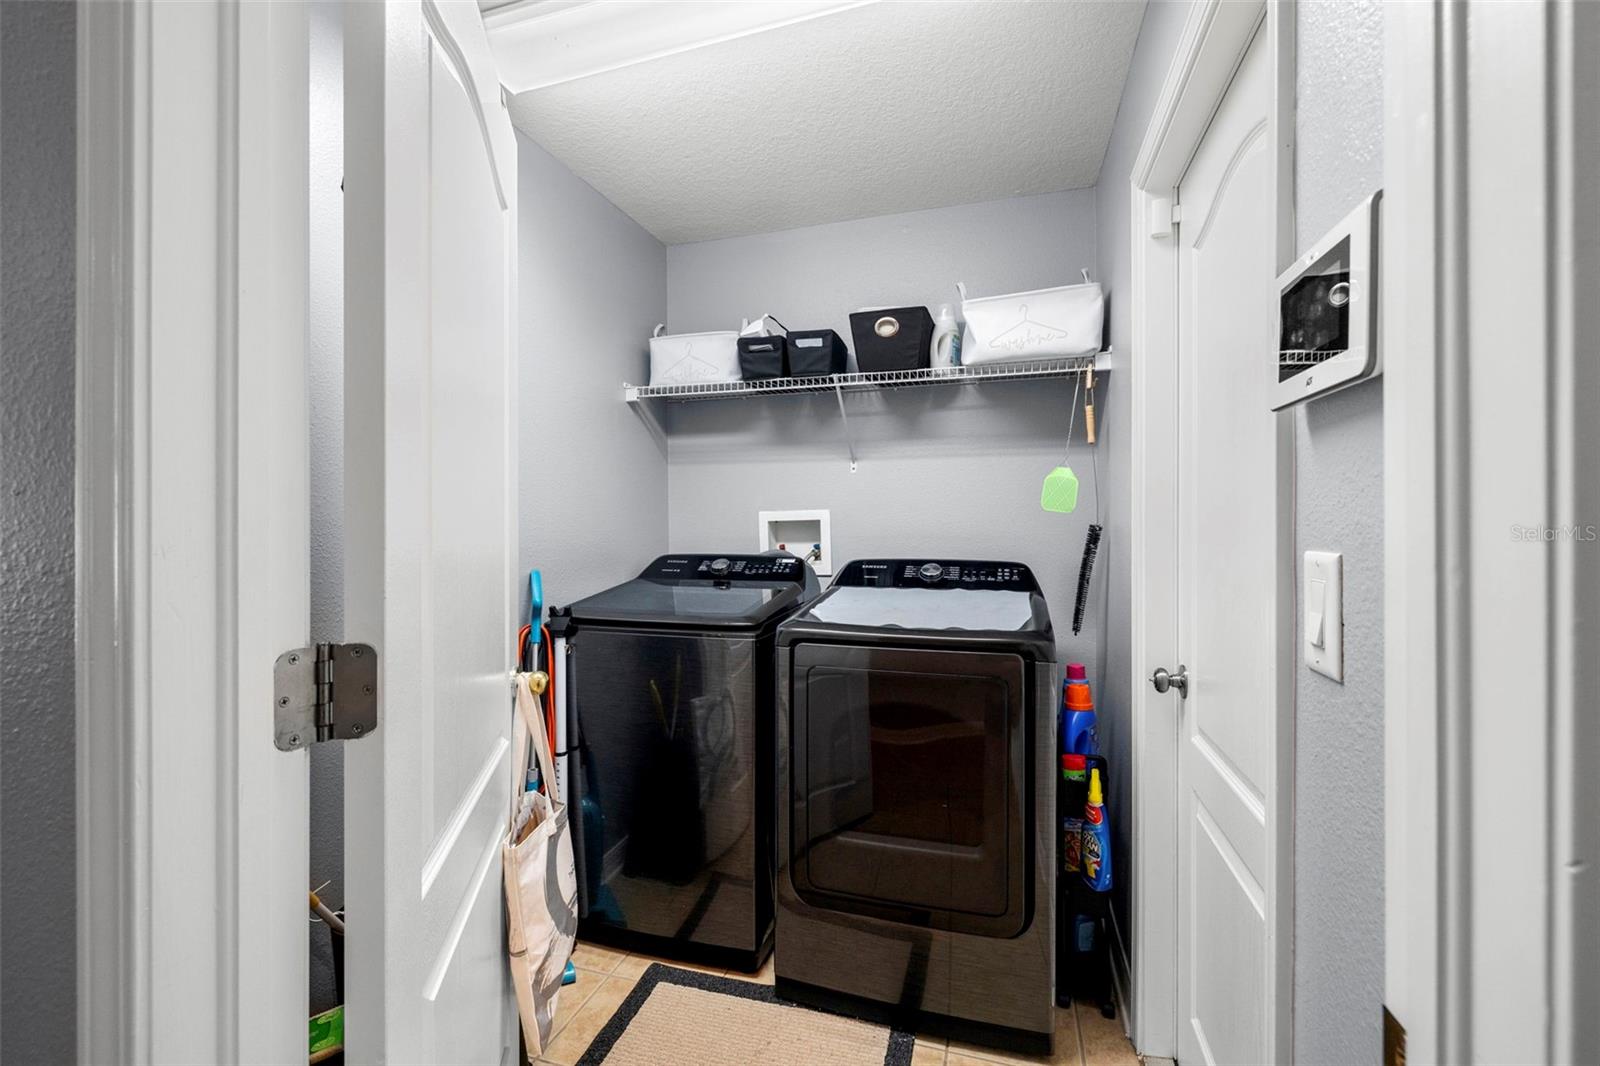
(670, 706)
(916, 857)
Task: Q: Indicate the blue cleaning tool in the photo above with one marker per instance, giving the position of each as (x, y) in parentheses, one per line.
(569, 976)
(535, 605)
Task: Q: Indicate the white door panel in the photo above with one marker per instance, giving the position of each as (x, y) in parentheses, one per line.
(1227, 594)
(1227, 911)
(431, 225)
(1238, 814)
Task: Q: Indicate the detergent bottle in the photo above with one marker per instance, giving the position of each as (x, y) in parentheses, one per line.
(1096, 836)
(944, 349)
(1077, 713)
(1074, 791)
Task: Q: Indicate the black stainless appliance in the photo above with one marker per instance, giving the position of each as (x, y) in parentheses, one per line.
(670, 703)
(916, 857)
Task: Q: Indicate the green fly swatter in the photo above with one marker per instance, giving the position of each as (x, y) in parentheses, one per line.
(1060, 490)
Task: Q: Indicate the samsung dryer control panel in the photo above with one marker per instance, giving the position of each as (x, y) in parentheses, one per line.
(774, 567)
(937, 574)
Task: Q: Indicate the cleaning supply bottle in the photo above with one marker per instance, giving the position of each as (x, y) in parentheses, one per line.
(944, 350)
(1085, 928)
(1074, 792)
(1077, 713)
(1096, 836)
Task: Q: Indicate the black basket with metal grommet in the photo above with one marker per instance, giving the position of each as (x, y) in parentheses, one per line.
(892, 338)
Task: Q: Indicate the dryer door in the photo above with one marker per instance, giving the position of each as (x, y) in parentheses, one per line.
(910, 797)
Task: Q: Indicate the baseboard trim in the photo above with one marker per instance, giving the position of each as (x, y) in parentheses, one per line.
(1122, 984)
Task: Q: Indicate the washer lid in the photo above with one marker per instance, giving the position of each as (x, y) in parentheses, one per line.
(704, 591)
(986, 610)
(945, 596)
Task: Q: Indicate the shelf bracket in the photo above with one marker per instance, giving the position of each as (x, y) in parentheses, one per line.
(844, 416)
(652, 413)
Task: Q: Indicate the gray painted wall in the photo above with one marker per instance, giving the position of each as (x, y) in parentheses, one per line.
(812, 278)
(38, 127)
(1339, 507)
(1158, 39)
(325, 375)
(943, 471)
(593, 479)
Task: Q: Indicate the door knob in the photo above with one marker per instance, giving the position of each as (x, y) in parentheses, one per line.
(1163, 680)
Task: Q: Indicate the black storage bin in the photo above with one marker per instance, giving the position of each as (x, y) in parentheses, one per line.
(761, 358)
(814, 352)
(894, 338)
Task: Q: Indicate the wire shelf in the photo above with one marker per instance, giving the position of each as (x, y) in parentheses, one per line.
(891, 379)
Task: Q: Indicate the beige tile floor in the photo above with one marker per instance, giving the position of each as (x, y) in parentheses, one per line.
(606, 976)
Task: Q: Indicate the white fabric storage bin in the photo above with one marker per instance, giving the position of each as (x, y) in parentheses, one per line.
(1042, 324)
(693, 358)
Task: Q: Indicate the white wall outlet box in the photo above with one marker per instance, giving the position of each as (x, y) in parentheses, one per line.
(803, 533)
(1322, 624)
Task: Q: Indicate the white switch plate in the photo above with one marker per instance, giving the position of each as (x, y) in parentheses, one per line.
(1322, 614)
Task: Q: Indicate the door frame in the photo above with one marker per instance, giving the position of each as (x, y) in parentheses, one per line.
(1214, 40)
(1487, 960)
(192, 553)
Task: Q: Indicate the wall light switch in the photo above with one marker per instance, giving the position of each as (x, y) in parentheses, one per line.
(1322, 628)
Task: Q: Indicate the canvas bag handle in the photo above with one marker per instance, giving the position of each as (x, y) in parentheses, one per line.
(534, 732)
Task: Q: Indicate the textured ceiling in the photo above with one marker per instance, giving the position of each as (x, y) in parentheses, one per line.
(895, 106)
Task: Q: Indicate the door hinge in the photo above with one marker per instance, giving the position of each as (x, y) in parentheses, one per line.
(324, 692)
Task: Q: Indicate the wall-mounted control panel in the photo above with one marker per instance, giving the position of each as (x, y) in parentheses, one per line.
(1328, 311)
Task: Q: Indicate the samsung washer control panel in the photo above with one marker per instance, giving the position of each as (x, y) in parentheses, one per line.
(937, 573)
(765, 568)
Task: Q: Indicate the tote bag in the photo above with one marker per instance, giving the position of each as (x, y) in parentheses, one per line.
(541, 882)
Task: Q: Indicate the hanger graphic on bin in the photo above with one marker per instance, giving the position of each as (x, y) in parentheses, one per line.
(1027, 333)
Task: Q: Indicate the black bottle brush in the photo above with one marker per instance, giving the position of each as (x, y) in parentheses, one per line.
(1091, 545)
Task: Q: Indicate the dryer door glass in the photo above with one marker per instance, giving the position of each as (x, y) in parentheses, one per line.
(910, 785)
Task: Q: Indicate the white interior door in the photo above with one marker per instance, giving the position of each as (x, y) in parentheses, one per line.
(1228, 526)
(430, 261)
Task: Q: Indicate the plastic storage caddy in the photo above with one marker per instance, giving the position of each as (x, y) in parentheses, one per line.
(1023, 326)
(693, 358)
